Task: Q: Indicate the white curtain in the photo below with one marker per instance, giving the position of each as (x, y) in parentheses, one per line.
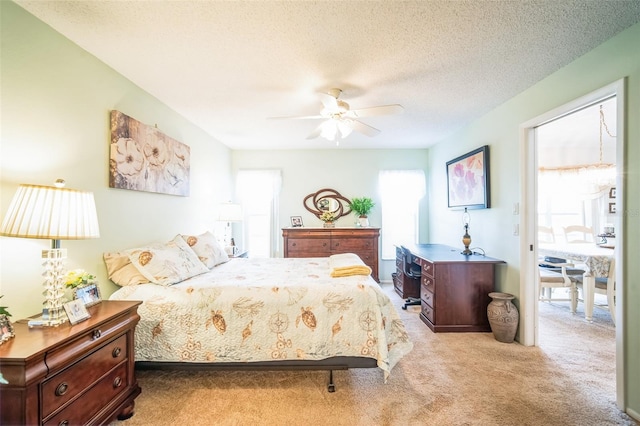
(259, 194)
(575, 196)
(400, 192)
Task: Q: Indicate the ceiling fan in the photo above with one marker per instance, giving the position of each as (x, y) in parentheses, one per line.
(340, 120)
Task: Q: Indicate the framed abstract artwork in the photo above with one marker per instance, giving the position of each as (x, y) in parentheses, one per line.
(144, 159)
(468, 180)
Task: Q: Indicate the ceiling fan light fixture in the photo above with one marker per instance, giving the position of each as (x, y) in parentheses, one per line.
(329, 129)
(345, 129)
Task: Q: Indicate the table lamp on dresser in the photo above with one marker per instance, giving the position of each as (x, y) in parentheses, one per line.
(55, 213)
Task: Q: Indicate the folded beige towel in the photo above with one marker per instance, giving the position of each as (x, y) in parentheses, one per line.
(346, 264)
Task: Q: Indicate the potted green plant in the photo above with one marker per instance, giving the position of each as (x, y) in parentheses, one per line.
(362, 207)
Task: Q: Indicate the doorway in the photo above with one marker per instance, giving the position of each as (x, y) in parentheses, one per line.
(529, 235)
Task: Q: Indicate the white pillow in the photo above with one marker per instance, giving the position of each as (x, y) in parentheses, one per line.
(206, 246)
(121, 271)
(167, 263)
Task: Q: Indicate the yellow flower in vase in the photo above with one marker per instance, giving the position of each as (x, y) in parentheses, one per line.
(328, 218)
(78, 277)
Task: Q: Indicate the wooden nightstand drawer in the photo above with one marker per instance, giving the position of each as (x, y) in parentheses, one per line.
(64, 386)
(89, 340)
(99, 396)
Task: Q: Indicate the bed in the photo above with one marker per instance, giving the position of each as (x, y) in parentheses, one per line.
(266, 313)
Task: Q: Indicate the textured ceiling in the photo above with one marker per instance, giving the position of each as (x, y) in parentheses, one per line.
(227, 66)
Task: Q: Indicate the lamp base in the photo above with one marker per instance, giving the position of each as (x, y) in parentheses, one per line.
(42, 322)
(53, 312)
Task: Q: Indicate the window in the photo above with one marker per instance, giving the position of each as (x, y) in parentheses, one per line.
(400, 191)
(258, 192)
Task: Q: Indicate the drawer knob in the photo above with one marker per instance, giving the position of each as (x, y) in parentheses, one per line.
(64, 423)
(116, 352)
(117, 382)
(96, 334)
(62, 388)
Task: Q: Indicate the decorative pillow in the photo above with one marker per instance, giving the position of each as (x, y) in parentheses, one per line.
(207, 248)
(167, 263)
(121, 271)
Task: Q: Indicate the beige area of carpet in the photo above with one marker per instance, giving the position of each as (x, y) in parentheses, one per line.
(448, 379)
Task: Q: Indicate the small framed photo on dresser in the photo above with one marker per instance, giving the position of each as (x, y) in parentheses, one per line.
(76, 311)
(88, 293)
(296, 221)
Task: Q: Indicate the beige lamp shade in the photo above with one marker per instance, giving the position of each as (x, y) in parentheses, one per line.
(49, 212)
(230, 212)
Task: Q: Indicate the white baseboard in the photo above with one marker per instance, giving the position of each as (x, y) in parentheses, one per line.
(633, 414)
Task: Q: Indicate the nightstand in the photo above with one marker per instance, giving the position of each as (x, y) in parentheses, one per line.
(240, 253)
(71, 374)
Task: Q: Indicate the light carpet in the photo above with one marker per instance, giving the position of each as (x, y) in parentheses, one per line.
(448, 379)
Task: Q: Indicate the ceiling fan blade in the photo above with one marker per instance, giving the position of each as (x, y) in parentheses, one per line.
(329, 102)
(317, 132)
(376, 111)
(360, 127)
(297, 117)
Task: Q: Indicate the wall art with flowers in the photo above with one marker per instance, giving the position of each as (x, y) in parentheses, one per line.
(144, 159)
(468, 180)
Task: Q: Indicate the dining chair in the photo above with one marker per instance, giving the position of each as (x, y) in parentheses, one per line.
(605, 286)
(578, 234)
(546, 235)
(549, 280)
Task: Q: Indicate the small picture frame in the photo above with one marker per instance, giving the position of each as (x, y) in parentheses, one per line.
(76, 311)
(612, 192)
(88, 293)
(296, 222)
(612, 208)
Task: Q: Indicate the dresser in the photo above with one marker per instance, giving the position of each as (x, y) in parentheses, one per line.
(323, 242)
(71, 374)
(454, 288)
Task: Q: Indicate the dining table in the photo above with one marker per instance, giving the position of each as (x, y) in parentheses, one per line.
(595, 258)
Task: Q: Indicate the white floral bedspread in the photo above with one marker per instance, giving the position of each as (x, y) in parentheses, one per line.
(267, 309)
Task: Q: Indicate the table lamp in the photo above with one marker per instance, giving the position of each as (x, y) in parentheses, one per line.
(229, 212)
(466, 238)
(56, 213)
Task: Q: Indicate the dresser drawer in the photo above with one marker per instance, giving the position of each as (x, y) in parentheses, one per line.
(428, 268)
(427, 297)
(65, 385)
(92, 401)
(319, 246)
(366, 256)
(348, 245)
(429, 312)
(428, 284)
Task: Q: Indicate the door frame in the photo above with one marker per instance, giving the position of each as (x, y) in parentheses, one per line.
(528, 235)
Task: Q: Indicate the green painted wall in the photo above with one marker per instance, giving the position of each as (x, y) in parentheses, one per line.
(500, 129)
(55, 108)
